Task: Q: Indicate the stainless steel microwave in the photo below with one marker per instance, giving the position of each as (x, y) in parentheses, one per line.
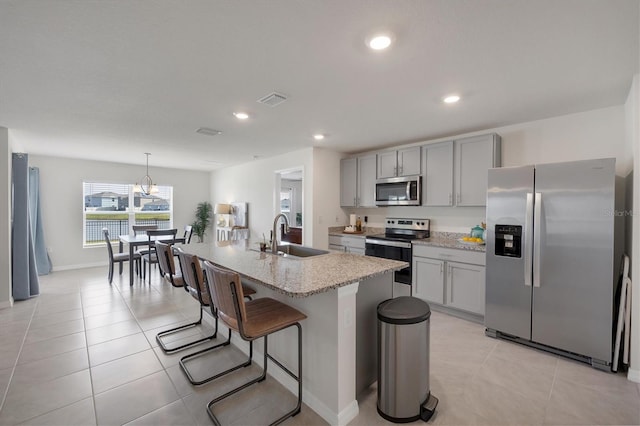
(399, 191)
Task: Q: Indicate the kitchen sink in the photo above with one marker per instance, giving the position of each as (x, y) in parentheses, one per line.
(299, 251)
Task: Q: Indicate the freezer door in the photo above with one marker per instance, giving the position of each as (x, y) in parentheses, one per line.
(508, 279)
(573, 288)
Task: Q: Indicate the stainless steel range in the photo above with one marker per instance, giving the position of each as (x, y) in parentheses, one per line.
(395, 244)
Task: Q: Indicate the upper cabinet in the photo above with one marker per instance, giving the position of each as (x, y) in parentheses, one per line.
(456, 171)
(438, 174)
(403, 162)
(357, 181)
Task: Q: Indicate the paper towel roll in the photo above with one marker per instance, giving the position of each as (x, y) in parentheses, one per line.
(352, 220)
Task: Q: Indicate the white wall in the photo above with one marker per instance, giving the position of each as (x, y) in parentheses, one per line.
(326, 195)
(5, 219)
(633, 131)
(61, 199)
(592, 134)
(255, 184)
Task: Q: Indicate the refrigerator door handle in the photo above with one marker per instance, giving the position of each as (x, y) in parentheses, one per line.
(537, 219)
(528, 229)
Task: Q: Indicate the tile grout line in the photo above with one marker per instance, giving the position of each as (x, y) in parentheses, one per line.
(15, 364)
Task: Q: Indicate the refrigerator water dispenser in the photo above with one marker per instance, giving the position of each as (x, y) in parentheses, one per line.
(508, 240)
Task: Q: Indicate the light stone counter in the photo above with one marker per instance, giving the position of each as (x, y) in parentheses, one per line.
(449, 240)
(294, 276)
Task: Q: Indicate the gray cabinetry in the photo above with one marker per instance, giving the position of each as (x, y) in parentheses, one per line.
(347, 244)
(456, 171)
(348, 182)
(451, 278)
(357, 181)
(438, 175)
(402, 162)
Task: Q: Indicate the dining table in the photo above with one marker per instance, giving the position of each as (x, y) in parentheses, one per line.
(142, 240)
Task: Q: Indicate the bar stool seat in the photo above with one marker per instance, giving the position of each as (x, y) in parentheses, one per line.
(265, 316)
(252, 320)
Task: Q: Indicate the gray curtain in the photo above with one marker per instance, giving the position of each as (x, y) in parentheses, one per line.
(43, 263)
(24, 273)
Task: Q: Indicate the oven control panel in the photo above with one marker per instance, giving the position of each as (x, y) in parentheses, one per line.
(403, 223)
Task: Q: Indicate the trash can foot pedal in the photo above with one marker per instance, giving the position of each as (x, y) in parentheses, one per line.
(428, 408)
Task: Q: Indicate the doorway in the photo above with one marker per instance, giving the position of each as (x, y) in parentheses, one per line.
(290, 198)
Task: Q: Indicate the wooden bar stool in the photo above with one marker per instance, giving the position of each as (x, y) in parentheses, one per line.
(252, 320)
(195, 284)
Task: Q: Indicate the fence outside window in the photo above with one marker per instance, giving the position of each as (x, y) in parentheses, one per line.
(117, 207)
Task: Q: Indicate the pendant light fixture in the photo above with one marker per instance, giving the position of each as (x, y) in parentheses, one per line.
(146, 187)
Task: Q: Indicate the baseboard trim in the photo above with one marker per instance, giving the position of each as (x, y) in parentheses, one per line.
(79, 266)
(633, 375)
(6, 303)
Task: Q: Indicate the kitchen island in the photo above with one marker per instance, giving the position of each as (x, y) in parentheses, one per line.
(339, 293)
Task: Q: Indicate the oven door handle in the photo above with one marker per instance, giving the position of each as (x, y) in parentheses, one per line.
(400, 244)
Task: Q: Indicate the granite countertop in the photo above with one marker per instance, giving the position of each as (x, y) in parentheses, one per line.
(339, 230)
(295, 277)
(437, 239)
(449, 240)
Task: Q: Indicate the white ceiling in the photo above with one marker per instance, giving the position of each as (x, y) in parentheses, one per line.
(110, 80)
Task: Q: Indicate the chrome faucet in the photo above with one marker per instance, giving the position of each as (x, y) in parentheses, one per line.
(274, 240)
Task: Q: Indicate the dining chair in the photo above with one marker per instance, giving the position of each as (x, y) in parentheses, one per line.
(196, 284)
(118, 257)
(253, 320)
(142, 230)
(188, 231)
(168, 271)
(152, 257)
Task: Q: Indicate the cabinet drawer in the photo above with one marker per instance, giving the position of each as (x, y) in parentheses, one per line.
(347, 241)
(452, 255)
(335, 240)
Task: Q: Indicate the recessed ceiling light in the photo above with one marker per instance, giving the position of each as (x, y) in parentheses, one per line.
(379, 41)
(318, 136)
(451, 99)
(241, 115)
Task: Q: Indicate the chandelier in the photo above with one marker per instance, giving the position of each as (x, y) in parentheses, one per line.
(146, 187)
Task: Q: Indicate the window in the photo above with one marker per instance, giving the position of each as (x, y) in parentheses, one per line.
(116, 207)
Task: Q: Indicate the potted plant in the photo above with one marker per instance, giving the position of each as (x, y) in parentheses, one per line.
(203, 219)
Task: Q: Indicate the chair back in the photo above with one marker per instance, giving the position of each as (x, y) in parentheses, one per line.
(105, 231)
(188, 231)
(163, 233)
(222, 286)
(193, 277)
(165, 260)
(142, 229)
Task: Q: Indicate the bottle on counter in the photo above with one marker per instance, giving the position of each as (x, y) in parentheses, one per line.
(358, 224)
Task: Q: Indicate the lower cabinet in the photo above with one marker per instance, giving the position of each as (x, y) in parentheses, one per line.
(450, 277)
(347, 244)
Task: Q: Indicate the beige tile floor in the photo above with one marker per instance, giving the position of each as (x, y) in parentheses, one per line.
(84, 353)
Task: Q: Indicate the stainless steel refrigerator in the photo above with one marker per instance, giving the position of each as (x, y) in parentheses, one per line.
(552, 256)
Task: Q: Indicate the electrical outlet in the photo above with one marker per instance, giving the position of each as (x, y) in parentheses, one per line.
(337, 219)
(49, 250)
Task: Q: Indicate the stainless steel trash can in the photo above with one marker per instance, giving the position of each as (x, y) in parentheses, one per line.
(403, 360)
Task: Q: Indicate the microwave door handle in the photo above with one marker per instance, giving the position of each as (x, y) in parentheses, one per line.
(408, 190)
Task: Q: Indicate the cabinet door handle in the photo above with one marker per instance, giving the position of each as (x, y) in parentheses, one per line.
(458, 198)
(441, 268)
(401, 170)
(354, 201)
(450, 198)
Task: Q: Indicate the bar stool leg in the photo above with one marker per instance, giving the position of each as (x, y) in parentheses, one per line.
(263, 376)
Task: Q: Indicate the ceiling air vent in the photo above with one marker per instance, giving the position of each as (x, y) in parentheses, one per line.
(273, 99)
(209, 132)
